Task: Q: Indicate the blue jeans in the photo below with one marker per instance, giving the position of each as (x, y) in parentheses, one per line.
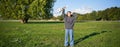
(69, 32)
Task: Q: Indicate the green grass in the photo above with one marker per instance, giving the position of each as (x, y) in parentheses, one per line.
(51, 34)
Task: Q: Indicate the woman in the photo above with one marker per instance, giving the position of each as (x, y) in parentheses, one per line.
(69, 20)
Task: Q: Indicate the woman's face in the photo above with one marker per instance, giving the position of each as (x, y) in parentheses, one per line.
(68, 14)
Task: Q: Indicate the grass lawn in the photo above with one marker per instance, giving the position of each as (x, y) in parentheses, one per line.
(51, 34)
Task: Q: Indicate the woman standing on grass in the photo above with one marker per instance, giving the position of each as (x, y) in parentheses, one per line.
(69, 20)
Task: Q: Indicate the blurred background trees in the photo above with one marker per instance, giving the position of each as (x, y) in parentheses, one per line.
(43, 9)
(24, 9)
(108, 14)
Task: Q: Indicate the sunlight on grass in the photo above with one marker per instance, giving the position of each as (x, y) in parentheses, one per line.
(14, 34)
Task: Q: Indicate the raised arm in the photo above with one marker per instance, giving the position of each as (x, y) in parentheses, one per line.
(63, 11)
(74, 15)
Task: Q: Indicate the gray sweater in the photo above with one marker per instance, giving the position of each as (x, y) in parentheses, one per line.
(69, 21)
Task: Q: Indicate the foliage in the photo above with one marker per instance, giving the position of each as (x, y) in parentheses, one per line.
(112, 13)
(24, 9)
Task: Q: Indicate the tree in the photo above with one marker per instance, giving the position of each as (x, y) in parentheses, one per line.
(112, 13)
(24, 9)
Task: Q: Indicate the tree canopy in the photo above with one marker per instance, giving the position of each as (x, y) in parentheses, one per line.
(112, 13)
(24, 9)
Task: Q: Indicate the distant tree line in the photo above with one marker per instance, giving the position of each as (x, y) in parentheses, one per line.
(25, 9)
(108, 14)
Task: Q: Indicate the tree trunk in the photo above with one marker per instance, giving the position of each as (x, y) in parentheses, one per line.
(25, 20)
(22, 21)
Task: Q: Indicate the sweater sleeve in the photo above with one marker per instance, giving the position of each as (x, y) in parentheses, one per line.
(74, 16)
(63, 13)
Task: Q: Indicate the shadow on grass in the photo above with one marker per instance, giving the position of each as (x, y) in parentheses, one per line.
(51, 22)
(88, 36)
